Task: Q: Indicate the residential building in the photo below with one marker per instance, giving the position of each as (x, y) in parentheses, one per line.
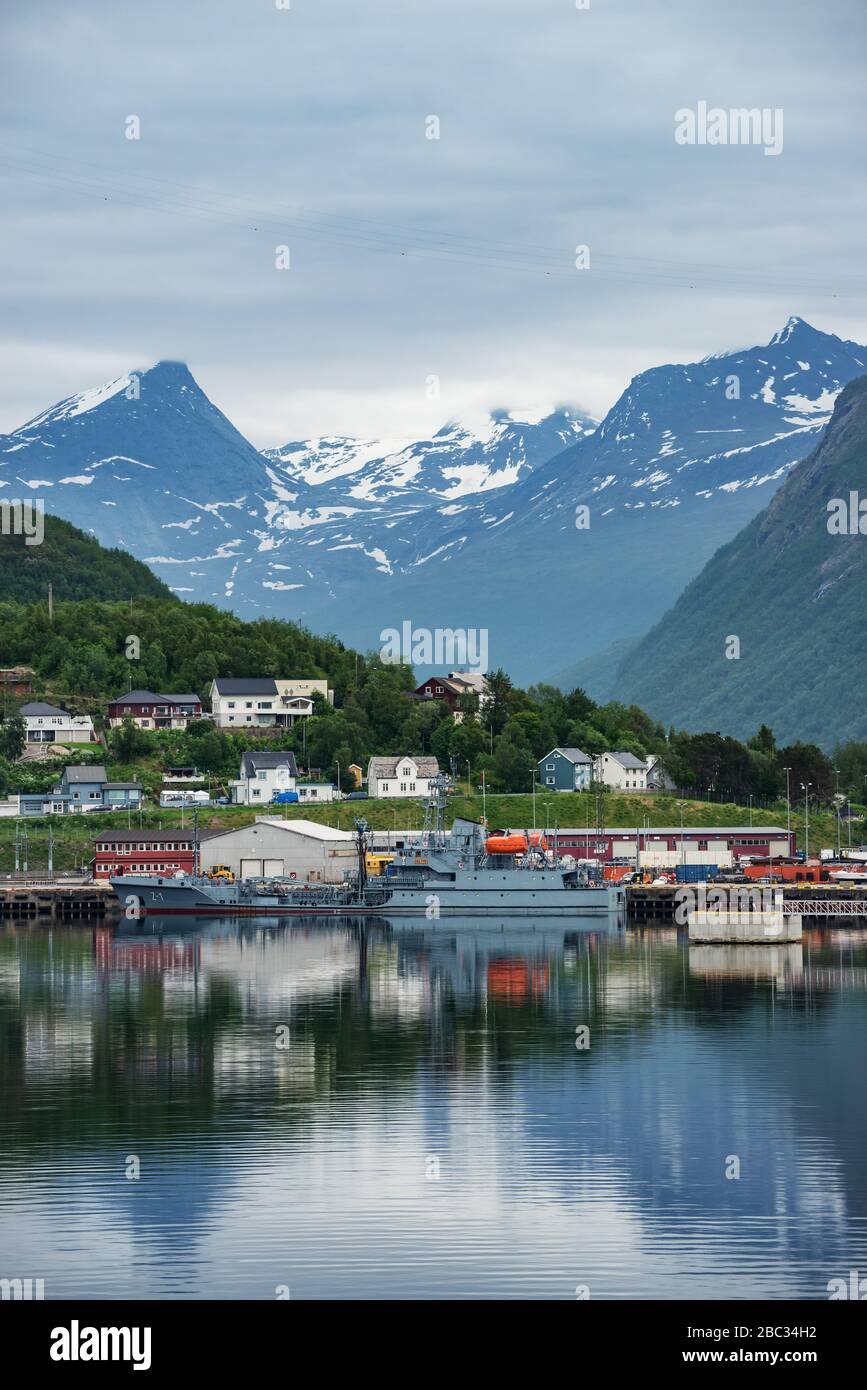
(82, 789)
(317, 791)
(261, 775)
(565, 770)
(151, 710)
(621, 771)
(275, 848)
(259, 703)
(658, 780)
(304, 688)
(402, 776)
(50, 724)
(450, 688)
(118, 852)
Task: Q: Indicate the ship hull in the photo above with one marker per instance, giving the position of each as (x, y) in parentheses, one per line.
(431, 901)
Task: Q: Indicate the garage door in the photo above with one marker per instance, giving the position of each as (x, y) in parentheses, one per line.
(273, 868)
(251, 868)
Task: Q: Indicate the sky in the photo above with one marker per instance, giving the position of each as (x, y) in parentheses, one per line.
(428, 278)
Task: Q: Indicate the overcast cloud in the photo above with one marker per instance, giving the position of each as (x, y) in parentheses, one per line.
(413, 257)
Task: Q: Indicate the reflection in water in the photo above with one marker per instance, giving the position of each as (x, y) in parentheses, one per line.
(365, 1108)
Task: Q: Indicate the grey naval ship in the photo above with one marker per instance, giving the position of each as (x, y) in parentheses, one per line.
(439, 874)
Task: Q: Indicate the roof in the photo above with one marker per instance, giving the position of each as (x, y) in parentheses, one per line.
(39, 707)
(154, 697)
(144, 836)
(628, 760)
(702, 832)
(122, 786)
(252, 762)
(299, 827)
(249, 685)
(575, 755)
(474, 679)
(83, 773)
(387, 767)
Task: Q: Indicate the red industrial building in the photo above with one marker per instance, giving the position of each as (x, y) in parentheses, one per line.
(142, 852)
(708, 844)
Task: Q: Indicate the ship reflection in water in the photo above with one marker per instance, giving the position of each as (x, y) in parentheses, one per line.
(371, 1107)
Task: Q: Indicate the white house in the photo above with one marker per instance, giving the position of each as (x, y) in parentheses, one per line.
(658, 780)
(621, 771)
(403, 776)
(317, 791)
(304, 689)
(261, 775)
(261, 702)
(49, 724)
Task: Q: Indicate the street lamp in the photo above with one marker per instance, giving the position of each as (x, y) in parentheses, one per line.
(837, 804)
(805, 788)
(534, 770)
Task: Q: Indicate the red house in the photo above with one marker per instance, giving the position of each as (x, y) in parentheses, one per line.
(119, 852)
(151, 710)
(451, 687)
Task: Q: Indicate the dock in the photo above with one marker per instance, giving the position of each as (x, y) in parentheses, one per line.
(56, 900)
(656, 904)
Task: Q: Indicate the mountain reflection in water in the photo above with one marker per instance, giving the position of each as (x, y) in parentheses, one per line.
(375, 1108)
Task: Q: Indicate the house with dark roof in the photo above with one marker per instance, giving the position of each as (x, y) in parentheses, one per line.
(49, 724)
(261, 776)
(621, 772)
(150, 709)
(450, 688)
(259, 702)
(82, 789)
(565, 770)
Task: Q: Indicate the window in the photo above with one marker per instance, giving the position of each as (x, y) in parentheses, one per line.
(230, 704)
(549, 781)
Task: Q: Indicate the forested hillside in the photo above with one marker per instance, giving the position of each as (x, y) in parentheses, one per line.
(75, 564)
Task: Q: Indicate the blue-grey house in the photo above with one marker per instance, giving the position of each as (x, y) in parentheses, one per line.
(82, 789)
(565, 770)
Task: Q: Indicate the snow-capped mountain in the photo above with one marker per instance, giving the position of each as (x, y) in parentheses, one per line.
(146, 462)
(475, 527)
(457, 462)
(685, 457)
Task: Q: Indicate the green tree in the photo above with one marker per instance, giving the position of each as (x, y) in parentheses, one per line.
(128, 742)
(13, 736)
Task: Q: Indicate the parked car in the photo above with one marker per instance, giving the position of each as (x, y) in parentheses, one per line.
(357, 796)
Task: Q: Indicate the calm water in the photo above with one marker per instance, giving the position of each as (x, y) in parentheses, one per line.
(428, 1127)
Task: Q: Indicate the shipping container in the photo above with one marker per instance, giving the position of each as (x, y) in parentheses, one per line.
(696, 873)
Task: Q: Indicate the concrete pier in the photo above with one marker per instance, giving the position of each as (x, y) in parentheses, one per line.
(46, 901)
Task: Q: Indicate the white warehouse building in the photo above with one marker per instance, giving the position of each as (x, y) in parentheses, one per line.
(274, 848)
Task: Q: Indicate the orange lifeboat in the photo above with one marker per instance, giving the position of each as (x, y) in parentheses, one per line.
(516, 843)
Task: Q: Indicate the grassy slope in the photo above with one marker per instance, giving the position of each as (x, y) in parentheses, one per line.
(73, 837)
